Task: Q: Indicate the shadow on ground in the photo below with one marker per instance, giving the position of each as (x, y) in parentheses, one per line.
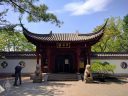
(37, 89)
(111, 80)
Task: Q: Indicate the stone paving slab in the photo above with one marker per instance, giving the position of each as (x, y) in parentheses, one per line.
(74, 88)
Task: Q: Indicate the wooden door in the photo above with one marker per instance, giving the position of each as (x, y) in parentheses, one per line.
(64, 64)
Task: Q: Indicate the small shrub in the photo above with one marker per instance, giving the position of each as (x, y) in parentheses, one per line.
(102, 69)
(105, 67)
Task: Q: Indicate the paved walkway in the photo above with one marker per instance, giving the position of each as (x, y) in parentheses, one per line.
(75, 88)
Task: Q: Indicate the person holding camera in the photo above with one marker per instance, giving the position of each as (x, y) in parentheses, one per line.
(18, 69)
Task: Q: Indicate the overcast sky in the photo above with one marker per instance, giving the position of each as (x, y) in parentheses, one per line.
(77, 15)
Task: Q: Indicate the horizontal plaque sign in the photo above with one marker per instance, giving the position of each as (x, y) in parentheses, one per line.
(63, 45)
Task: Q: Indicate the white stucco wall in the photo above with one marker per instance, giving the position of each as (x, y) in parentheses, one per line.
(30, 65)
(117, 63)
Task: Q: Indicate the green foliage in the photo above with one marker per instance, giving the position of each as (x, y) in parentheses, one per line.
(125, 25)
(105, 67)
(124, 35)
(115, 36)
(110, 42)
(35, 12)
(12, 40)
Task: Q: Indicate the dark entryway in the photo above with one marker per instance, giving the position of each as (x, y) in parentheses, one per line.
(64, 64)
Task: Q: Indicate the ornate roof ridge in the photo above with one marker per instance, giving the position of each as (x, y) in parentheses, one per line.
(63, 36)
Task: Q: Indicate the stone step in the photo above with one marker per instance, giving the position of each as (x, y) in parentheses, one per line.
(62, 77)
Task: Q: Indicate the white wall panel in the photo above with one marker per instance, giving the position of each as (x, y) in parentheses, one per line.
(117, 63)
(30, 65)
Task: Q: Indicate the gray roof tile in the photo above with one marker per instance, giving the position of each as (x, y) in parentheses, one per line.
(64, 36)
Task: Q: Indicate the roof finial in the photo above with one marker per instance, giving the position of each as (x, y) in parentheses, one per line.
(51, 32)
(77, 32)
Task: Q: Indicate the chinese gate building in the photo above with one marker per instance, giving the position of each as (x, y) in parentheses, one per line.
(63, 52)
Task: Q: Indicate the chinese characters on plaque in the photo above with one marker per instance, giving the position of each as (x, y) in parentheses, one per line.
(63, 45)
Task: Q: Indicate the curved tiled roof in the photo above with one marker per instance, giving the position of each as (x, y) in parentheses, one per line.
(110, 55)
(62, 36)
(4, 55)
(100, 55)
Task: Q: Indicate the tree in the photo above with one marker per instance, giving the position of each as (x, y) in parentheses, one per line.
(2, 20)
(125, 25)
(110, 42)
(12, 40)
(35, 12)
(124, 35)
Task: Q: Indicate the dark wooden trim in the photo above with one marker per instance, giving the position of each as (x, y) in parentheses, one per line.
(37, 54)
(88, 54)
(78, 59)
(42, 63)
(49, 59)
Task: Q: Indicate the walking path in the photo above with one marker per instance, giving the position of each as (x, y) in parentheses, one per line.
(67, 88)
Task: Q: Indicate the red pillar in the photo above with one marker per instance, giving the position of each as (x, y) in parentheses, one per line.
(88, 54)
(42, 62)
(85, 57)
(49, 59)
(37, 54)
(78, 59)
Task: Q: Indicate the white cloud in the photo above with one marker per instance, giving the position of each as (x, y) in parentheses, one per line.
(85, 7)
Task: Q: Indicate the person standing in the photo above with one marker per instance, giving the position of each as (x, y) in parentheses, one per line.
(18, 69)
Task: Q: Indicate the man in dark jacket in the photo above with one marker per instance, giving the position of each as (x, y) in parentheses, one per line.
(18, 69)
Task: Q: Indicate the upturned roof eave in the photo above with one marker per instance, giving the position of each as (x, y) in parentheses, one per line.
(33, 37)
